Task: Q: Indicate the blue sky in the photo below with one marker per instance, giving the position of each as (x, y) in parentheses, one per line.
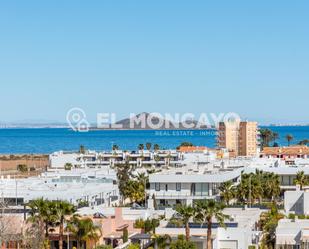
(249, 57)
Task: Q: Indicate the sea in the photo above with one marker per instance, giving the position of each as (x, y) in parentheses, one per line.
(48, 140)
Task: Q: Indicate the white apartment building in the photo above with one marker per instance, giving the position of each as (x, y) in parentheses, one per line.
(95, 188)
(185, 184)
(93, 159)
(292, 234)
(240, 232)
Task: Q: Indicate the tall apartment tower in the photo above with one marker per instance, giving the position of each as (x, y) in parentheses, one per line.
(239, 137)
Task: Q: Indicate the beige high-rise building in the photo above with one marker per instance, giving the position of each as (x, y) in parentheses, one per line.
(239, 137)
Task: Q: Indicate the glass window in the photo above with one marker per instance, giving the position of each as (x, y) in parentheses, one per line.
(157, 186)
(178, 186)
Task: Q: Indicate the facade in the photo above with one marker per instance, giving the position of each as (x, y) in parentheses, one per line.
(93, 159)
(239, 137)
(292, 234)
(240, 232)
(288, 154)
(186, 184)
(296, 202)
(73, 186)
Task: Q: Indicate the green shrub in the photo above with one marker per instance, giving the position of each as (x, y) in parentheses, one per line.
(133, 246)
(292, 216)
(22, 168)
(68, 166)
(104, 247)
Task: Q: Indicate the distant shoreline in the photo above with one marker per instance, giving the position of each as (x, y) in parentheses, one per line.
(139, 129)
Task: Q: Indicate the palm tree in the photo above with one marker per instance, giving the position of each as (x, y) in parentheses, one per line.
(156, 147)
(140, 147)
(289, 138)
(184, 213)
(267, 136)
(270, 185)
(63, 209)
(83, 230)
(148, 146)
(301, 179)
(82, 149)
(269, 223)
(44, 213)
(115, 147)
(161, 242)
(227, 191)
(206, 210)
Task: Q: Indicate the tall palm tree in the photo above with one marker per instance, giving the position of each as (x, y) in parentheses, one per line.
(83, 230)
(184, 213)
(206, 210)
(115, 147)
(289, 138)
(148, 146)
(301, 179)
(227, 192)
(156, 147)
(45, 211)
(270, 185)
(140, 147)
(64, 209)
(266, 136)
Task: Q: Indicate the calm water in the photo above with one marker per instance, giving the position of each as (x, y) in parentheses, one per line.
(49, 140)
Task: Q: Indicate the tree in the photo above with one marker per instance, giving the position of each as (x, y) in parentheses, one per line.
(267, 136)
(43, 213)
(125, 235)
(135, 190)
(162, 242)
(227, 191)
(115, 147)
(68, 166)
(303, 142)
(83, 229)
(270, 185)
(301, 179)
(206, 210)
(82, 149)
(156, 147)
(148, 146)
(63, 209)
(181, 243)
(23, 168)
(185, 144)
(148, 226)
(140, 147)
(133, 246)
(289, 138)
(184, 213)
(269, 223)
(123, 176)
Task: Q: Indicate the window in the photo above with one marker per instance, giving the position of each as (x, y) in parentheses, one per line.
(178, 186)
(166, 187)
(157, 186)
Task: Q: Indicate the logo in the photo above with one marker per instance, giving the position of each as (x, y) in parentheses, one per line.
(76, 118)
